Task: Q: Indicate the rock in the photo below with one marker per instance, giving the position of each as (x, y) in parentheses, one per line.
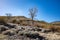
(9, 25)
(10, 32)
(31, 34)
(3, 28)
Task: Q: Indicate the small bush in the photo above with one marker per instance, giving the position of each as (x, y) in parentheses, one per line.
(2, 21)
(13, 21)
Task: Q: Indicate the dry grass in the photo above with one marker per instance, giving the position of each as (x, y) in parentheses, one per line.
(24, 21)
(2, 36)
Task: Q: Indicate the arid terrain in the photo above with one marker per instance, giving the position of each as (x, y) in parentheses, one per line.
(20, 28)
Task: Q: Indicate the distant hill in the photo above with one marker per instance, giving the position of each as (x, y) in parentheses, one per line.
(56, 23)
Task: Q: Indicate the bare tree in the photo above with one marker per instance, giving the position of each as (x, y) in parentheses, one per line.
(8, 15)
(32, 13)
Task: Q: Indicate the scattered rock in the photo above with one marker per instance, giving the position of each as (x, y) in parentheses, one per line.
(3, 28)
(10, 32)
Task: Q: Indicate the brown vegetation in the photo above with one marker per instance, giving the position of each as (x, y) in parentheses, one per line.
(21, 20)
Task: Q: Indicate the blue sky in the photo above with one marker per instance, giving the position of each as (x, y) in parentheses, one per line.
(48, 10)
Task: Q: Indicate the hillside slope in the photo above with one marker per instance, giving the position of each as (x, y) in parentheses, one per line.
(22, 20)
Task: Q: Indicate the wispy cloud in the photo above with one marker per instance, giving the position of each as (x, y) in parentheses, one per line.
(47, 10)
(6, 8)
